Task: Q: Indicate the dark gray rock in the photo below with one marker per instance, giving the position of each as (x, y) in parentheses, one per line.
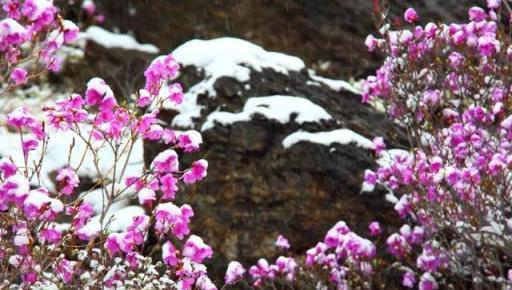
(256, 189)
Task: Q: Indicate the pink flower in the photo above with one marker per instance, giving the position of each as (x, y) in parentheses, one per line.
(12, 33)
(493, 4)
(89, 7)
(397, 245)
(20, 117)
(371, 43)
(161, 69)
(488, 46)
(70, 31)
(12, 7)
(370, 177)
(39, 205)
(7, 168)
(176, 93)
(166, 162)
(19, 76)
(477, 14)
(234, 273)
(85, 212)
(51, 236)
(190, 140)
(196, 172)
(204, 283)
(374, 228)
(146, 196)
(65, 270)
(144, 99)
(408, 280)
(28, 145)
(169, 217)
(68, 180)
(168, 186)
(112, 245)
(427, 282)
(455, 59)
(378, 145)
(169, 254)
(406, 36)
(196, 249)
(431, 97)
(282, 243)
(286, 265)
(411, 16)
(97, 91)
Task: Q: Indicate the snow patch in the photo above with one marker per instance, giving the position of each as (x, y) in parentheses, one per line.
(336, 85)
(109, 40)
(231, 57)
(223, 57)
(341, 136)
(278, 108)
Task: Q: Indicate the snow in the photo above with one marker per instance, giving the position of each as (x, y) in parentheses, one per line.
(341, 136)
(99, 197)
(277, 108)
(57, 153)
(114, 221)
(109, 40)
(223, 57)
(367, 187)
(231, 57)
(336, 85)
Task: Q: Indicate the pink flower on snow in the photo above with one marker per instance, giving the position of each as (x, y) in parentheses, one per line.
(176, 93)
(196, 249)
(146, 196)
(39, 204)
(68, 180)
(144, 98)
(98, 90)
(234, 272)
(166, 161)
(197, 172)
(70, 31)
(190, 140)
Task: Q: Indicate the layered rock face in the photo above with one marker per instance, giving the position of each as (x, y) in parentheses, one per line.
(286, 150)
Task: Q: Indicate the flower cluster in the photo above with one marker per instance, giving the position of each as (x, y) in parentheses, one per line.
(32, 33)
(58, 236)
(448, 85)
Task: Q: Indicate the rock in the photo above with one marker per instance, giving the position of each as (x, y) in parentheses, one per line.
(328, 34)
(256, 188)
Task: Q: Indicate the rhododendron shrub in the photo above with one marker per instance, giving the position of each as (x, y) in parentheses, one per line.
(54, 237)
(449, 87)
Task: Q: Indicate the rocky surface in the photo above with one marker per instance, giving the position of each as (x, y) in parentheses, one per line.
(321, 32)
(256, 188)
